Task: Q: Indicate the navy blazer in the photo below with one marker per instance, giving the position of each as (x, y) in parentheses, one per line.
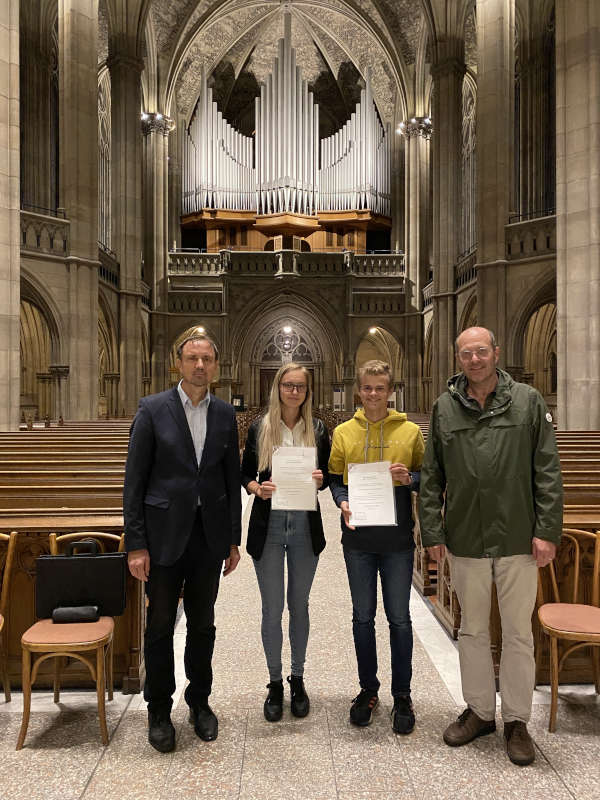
(261, 509)
(163, 480)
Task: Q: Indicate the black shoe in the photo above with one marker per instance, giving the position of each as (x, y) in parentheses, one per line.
(273, 707)
(362, 707)
(403, 715)
(161, 733)
(205, 723)
(300, 701)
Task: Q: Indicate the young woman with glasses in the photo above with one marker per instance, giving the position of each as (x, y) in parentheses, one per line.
(276, 536)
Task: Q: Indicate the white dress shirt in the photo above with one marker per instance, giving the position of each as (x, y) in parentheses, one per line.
(294, 437)
(196, 417)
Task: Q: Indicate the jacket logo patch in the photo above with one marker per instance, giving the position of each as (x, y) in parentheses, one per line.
(548, 417)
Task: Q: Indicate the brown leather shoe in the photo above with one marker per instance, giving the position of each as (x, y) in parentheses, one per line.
(519, 744)
(466, 728)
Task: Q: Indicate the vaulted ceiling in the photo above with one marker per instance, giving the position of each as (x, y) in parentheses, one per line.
(338, 43)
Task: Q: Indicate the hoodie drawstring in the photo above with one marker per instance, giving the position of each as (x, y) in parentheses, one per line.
(380, 442)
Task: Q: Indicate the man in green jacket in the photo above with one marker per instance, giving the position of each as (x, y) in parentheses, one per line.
(491, 495)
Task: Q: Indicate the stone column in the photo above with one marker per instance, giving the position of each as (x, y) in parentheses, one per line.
(78, 34)
(126, 186)
(156, 129)
(60, 373)
(417, 131)
(495, 114)
(578, 213)
(9, 216)
(174, 190)
(448, 74)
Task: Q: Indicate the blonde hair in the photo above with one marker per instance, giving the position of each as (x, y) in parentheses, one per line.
(269, 435)
(374, 367)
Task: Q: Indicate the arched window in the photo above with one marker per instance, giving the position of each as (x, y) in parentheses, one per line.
(468, 167)
(287, 345)
(104, 159)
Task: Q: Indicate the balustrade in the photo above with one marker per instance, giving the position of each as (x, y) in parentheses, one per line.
(532, 237)
(44, 234)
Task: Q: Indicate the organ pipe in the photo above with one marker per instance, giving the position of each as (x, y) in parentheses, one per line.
(285, 168)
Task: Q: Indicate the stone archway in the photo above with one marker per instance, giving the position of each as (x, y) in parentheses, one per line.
(40, 345)
(378, 343)
(280, 329)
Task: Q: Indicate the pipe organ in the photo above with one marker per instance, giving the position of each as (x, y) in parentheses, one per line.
(355, 162)
(284, 168)
(217, 161)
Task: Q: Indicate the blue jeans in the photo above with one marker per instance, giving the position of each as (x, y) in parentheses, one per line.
(288, 536)
(396, 577)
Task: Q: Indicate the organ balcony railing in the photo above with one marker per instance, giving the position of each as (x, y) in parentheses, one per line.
(185, 264)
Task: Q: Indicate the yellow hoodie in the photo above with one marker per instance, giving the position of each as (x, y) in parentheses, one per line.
(359, 441)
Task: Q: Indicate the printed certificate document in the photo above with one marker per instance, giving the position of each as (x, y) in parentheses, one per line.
(291, 472)
(371, 494)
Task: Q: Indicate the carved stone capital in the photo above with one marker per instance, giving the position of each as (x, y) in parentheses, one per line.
(448, 66)
(59, 370)
(416, 126)
(156, 123)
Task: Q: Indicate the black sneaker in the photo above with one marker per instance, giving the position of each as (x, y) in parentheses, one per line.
(300, 700)
(403, 715)
(273, 707)
(362, 707)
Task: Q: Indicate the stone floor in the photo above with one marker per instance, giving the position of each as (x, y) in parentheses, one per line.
(320, 757)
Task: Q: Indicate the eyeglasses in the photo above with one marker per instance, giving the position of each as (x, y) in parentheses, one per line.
(480, 352)
(290, 387)
(376, 389)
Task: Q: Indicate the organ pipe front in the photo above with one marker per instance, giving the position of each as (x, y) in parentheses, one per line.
(285, 169)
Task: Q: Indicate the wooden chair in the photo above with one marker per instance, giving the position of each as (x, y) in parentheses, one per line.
(577, 620)
(11, 540)
(70, 640)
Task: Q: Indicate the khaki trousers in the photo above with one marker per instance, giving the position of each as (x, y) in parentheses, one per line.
(516, 585)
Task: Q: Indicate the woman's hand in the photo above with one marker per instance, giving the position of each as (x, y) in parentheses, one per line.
(265, 490)
(317, 476)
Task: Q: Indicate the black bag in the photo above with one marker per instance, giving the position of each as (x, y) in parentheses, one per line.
(84, 579)
(75, 614)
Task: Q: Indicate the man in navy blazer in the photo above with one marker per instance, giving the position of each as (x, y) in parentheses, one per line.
(182, 509)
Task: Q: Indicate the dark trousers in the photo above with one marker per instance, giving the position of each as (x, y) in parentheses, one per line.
(198, 571)
(395, 570)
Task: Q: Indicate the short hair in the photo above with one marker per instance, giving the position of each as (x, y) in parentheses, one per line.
(493, 341)
(197, 337)
(374, 367)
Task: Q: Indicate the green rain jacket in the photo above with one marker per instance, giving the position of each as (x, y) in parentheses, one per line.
(498, 467)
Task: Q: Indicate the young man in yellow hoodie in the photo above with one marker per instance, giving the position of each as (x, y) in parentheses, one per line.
(377, 433)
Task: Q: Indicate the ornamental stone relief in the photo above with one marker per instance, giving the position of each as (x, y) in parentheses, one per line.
(471, 41)
(168, 18)
(208, 46)
(102, 32)
(404, 20)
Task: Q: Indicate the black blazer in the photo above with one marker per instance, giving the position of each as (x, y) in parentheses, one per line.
(163, 480)
(259, 517)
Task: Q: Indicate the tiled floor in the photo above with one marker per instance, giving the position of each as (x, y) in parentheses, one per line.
(321, 757)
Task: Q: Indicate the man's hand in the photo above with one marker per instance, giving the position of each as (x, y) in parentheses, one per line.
(400, 474)
(266, 489)
(139, 564)
(233, 560)
(542, 551)
(345, 509)
(317, 476)
(437, 552)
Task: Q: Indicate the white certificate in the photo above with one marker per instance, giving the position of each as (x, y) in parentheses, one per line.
(371, 494)
(291, 472)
